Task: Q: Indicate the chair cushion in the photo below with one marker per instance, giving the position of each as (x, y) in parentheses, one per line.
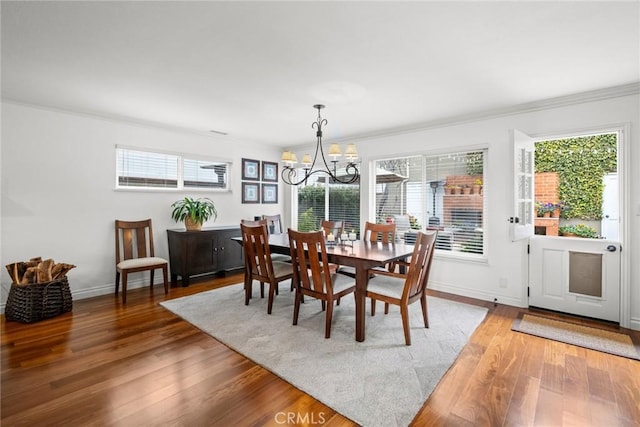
(281, 269)
(140, 262)
(280, 257)
(386, 285)
(341, 282)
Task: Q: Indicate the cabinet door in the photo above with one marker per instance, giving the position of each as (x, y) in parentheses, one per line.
(229, 252)
(202, 254)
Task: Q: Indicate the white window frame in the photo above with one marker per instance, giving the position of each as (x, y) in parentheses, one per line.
(181, 157)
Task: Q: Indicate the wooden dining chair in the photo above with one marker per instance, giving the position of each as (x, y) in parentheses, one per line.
(404, 289)
(258, 263)
(134, 253)
(336, 228)
(274, 226)
(274, 223)
(332, 227)
(385, 233)
(313, 275)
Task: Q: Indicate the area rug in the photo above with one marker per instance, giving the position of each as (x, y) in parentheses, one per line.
(379, 382)
(610, 342)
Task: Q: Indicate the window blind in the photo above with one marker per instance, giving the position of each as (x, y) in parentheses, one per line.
(440, 192)
(323, 199)
(148, 169)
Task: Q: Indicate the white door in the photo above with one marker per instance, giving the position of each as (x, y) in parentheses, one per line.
(575, 275)
(522, 221)
(609, 223)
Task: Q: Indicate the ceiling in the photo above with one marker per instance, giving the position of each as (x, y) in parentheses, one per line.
(254, 70)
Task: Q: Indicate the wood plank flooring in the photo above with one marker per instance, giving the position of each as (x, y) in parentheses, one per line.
(106, 364)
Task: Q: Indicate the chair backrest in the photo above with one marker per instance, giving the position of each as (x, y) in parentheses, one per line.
(380, 232)
(274, 223)
(309, 259)
(332, 227)
(253, 222)
(134, 239)
(420, 264)
(255, 242)
(402, 222)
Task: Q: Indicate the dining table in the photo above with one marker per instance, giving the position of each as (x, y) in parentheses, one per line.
(362, 255)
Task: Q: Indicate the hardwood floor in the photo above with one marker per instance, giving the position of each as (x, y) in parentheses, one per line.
(107, 364)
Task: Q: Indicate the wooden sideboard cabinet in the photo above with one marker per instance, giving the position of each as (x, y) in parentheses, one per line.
(208, 251)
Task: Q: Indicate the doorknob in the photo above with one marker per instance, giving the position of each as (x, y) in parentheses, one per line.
(611, 248)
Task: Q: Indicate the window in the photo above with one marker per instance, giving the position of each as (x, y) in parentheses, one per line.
(320, 200)
(137, 168)
(437, 192)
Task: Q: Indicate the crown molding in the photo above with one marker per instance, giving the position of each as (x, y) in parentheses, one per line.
(561, 101)
(557, 102)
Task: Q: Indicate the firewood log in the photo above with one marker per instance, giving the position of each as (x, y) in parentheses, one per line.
(16, 271)
(60, 270)
(44, 271)
(30, 276)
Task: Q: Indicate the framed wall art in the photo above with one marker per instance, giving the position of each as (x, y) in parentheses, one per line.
(250, 170)
(269, 193)
(269, 171)
(250, 192)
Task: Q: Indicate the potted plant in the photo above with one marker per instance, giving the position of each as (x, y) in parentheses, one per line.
(194, 212)
(559, 207)
(578, 230)
(476, 187)
(544, 209)
(466, 189)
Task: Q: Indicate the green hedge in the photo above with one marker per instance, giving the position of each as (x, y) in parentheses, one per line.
(580, 163)
(344, 202)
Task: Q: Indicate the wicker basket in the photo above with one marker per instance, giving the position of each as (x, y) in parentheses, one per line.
(38, 301)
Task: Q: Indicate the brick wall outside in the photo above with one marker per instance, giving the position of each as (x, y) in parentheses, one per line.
(547, 185)
(461, 201)
(547, 188)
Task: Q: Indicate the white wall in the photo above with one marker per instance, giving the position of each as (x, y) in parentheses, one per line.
(58, 197)
(507, 260)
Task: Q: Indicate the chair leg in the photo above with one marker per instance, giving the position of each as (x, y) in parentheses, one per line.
(338, 301)
(373, 307)
(117, 281)
(272, 290)
(324, 305)
(248, 285)
(151, 280)
(423, 303)
(124, 287)
(261, 289)
(386, 308)
(165, 276)
(329, 315)
(296, 306)
(404, 312)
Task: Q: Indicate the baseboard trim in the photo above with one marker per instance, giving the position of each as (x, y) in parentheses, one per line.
(97, 291)
(481, 295)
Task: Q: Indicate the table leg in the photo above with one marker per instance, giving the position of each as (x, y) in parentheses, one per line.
(362, 278)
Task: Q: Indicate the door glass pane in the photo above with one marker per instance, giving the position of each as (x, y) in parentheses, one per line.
(585, 273)
(528, 168)
(520, 162)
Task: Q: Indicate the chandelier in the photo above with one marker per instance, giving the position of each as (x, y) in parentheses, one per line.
(290, 172)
